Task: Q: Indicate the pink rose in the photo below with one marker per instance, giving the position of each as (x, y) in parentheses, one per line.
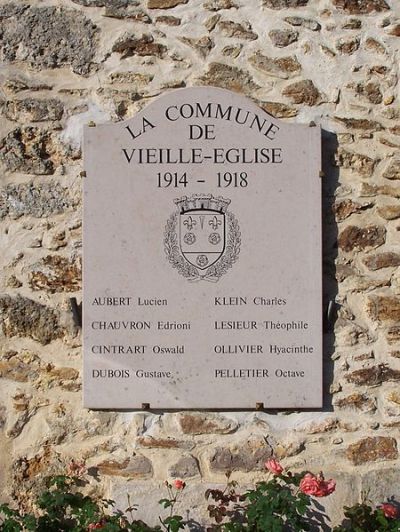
(179, 484)
(389, 510)
(273, 466)
(309, 484)
(317, 486)
(95, 526)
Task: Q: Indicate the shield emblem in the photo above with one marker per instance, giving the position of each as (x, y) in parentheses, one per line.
(202, 237)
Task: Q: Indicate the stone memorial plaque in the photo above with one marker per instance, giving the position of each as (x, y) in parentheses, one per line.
(202, 257)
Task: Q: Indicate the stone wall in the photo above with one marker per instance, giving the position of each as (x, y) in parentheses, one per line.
(68, 62)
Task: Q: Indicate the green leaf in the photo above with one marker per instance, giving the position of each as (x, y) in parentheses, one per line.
(29, 522)
(174, 523)
(11, 525)
(165, 503)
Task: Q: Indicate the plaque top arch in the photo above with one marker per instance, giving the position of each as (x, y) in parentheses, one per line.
(177, 108)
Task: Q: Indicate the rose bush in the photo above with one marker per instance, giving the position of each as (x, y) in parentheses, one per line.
(283, 502)
(364, 517)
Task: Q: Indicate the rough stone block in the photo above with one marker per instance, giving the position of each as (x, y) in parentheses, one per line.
(30, 150)
(133, 14)
(393, 397)
(393, 334)
(371, 91)
(319, 426)
(310, 24)
(129, 45)
(33, 110)
(382, 260)
(361, 164)
(393, 170)
(373, 45)
(248, 455)
(361, 7)
(283, 4)
(35, 200)
(354, 237)
(29, 367)
(56, 274)
(372, 190)
(384, 308)
(356, 401)
(228, 77)
(185, 467)
(12, 10)
(27, 318)
(289, 446)
(234, 29)
(54, 239)
(135, 79)
(169, 20)
(303, 92)
(395, 30)
(360, 123)
(373, 376)
(348, 46)
(352, 24)
(106, 3)
(20, 367)
(283, 38)
(17, 84)
(232, 51)
(374, 449)
(135, 467)
(61, 37)
(164, 4)
(280, 67)
(151, 442)
(203, 46)
(279, 110)
(17, 423)
(13, 282)
(345, 208)
(216, 5)
(202, 423)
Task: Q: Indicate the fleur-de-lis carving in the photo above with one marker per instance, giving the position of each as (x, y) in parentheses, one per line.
(215, 223)
(190, 223)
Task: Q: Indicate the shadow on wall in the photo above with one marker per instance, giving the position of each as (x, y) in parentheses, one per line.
(330, 183)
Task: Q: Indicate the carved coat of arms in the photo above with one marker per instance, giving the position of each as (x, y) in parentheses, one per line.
(202, 239)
